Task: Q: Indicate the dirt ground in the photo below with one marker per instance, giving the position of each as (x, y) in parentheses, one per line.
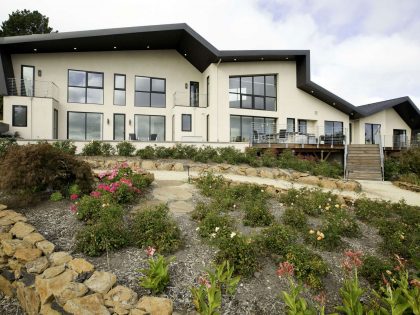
(257, 295)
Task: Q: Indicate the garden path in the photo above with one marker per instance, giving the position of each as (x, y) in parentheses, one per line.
(371, 189)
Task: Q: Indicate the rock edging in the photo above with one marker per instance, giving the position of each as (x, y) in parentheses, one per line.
(49, 283)
(99, 162)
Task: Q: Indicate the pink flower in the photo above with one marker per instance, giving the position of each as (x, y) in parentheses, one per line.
(73, 208)
(102, 175)
(321, 298)
(124, 165)
(95, 194)
(113, 174)
(74, 196)
(150, 251)
(104, 187)
(352, 260)
(203, 281)
(285, 268)
(126, 181)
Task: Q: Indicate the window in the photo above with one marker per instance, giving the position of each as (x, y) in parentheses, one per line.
(241, 127)
(84, 126)
(28, 80)
(302, 126)
(253, 92)
(85, 87)
(149, 128)
(119, 126)
(55, 124)
(290, 125)
(119, 89)
(334, 132)
(150, 92)
(186, 122)
(20, 116)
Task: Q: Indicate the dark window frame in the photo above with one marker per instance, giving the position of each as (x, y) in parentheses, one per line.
(287, 124)
(150, 125)
(150, 91)
(182, 123)
(253, 95)
(86, 87)
(102, 124)
(113, 125)
(13, 116)
(305, 121)
(120, 89)
(240, 124)
(22, 87)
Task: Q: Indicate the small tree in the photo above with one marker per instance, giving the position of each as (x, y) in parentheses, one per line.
(25, 22)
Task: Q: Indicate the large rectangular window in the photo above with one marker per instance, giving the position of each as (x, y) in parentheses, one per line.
(290, 125)
(149, 128)
(253, 92)
(20, 116)
(333, 132)
(242, 127)
(150, 92)
(119, 89)
(186, 122)
(302, 126)
(28, 81)
(84, 126)
(85, 87)
(119, 126)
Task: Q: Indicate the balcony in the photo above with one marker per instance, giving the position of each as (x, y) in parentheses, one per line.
(190, 99)
(43, 89)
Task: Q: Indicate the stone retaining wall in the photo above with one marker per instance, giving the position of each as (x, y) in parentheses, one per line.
(48, 282)
(99, 162)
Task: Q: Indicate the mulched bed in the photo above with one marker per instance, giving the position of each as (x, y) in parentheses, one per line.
(258, 295)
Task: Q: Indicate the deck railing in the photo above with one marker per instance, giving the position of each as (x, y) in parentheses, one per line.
(190, 99)
(381, 151)
(21, 87)
(263, 133)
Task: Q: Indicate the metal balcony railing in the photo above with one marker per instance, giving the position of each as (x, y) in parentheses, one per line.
(21, 87)
(397, 141)
(190, 99)
(272, 133)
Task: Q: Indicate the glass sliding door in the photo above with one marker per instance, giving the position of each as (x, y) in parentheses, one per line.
(149, 128)
(28, 81)
(194, 94)
(157, 128)
(372, 133)
(84, 126)
(119, 126)
(333, 132)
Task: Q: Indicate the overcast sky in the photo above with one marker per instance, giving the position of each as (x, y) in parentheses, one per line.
(361, 50)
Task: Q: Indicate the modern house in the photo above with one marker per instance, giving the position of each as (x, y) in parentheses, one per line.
(166, 84)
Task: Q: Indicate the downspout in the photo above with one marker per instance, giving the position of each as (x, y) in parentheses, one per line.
(217, 95)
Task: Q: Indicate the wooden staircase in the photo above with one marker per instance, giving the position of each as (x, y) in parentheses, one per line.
(364, 162)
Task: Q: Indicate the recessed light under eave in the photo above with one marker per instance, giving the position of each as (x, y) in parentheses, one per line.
(75, 48)
(35, 50)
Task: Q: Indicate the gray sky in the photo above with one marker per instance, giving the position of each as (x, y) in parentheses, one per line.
(361, 50)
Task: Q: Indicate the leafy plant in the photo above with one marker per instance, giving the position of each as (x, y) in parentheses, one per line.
(215, 226)
(257, 214)
(276, 239)
(67, 146)
(154, 227)
(74, 190)
(56, 196)
(125, 148)
(5, 144)
(295, 218)
(373, 268)
(156, 276)
(92, 148)
(107, 149)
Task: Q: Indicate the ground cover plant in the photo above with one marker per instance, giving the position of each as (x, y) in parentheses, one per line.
(404, 167)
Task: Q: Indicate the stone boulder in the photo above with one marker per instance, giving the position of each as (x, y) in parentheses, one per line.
(81, 265)
(59, 258)
(53, 271)
(148, 165)
(88, 305)
(266, 173)
(101, 282)
(155, 305)
(46, 247)
(27, 254)
(47, 288)
(33, 238)
(70, 291)
(178, 167)
(10, 246)
(250, 171)
(22, 229)
(328, 183)
(121, 299)
(28, 299)
(2, 207)
(6, 286)
(38, 265)
(309, 180)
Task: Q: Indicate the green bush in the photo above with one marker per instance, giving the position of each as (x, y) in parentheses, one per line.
(38, 168)
(373, 268)
(309, 267)
(241, 252)
(146, 153)
(200, 211)
(91, 209)
(257, 214)
(67, 146)
(295, 218)
(344, 223)
(369, 210)
(125, 148)
(74, 190)
(154, 227)
(329, 239)
(92, 148)
(56, 196)
(107, 149)
(5, 144)
(215, 226)
(106, 234)
(210, 184)
(276, 239)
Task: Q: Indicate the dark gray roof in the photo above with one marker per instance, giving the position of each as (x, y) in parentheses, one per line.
(198, 51)
(404, 106)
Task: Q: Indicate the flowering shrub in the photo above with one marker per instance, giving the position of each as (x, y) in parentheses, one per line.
(295, 218)
(276, 239)
(56, 196)
(215, 226)
(156, 277)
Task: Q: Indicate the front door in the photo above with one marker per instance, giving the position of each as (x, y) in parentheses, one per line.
(194, 93)
(372, 133)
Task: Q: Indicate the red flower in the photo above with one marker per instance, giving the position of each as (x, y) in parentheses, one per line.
(204, 281)
(285, 268)
(95, 194)
(321, 298)
(150, 251)
(126, 181)
(352, 260)
(74, 196)
(73, 208)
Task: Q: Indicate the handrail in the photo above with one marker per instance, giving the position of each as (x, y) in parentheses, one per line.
(346, 152)
(30, 88)
(381, 152)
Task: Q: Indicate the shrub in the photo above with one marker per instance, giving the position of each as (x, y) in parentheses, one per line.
(91, 208)
(277, 238)
(125, 148)
(92, 148)
(373, 268)
(295, 218)
(107, 149)
(327, 237)
(309, 267)
(215, 226)
(154, 227)
(108, 233)
(241, 252)
(369, 210)
(257, 214)
(344, 224)
(40, 167)
(56, 196)
(146, 153)
(66, 146)
(5, 144)
(200, 211)
(74, 190)
(209, 184)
